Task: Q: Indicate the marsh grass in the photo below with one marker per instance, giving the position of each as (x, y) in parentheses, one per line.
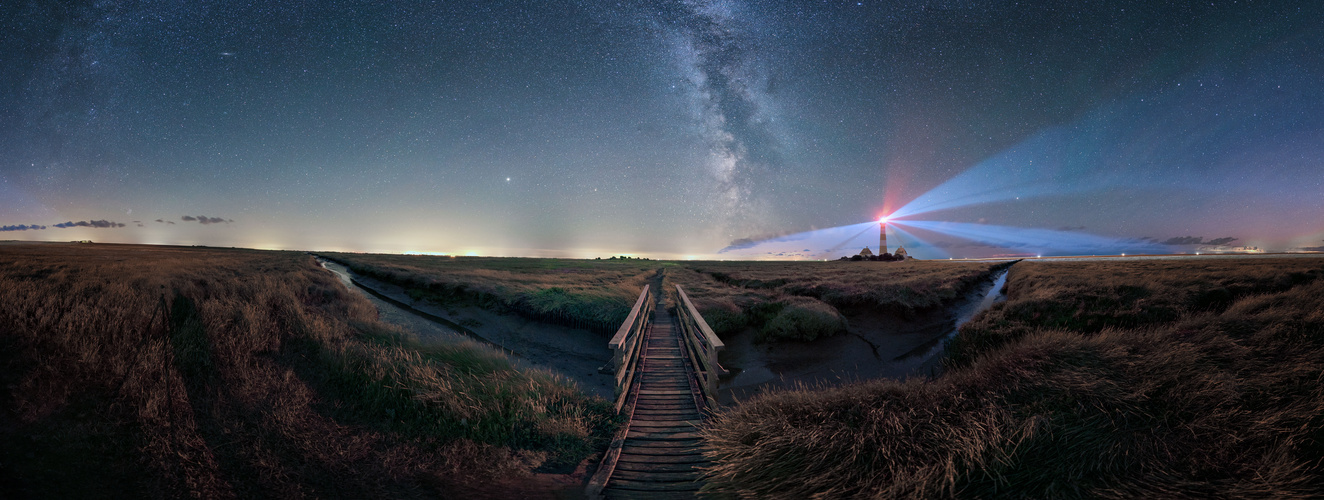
(1106, 380)
(168, 372)
(808, 300)
(590, 294)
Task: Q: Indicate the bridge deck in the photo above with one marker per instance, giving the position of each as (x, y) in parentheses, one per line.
(662, 447)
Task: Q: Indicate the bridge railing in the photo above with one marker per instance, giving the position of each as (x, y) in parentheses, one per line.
(701, 345)
(628, 344)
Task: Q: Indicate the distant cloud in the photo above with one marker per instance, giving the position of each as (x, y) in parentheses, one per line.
(1198, 240)
(1071, 228)
(95, 223)
(1313, 249)
(1184, 240)
(739, 244)
(743, 243)
(203, 219)
(22, 227)
(163, 221)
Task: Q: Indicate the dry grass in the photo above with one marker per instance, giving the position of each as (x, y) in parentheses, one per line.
(903, 287)
(169, 372)
(1174, 379)
(591, 294)
(806, 300)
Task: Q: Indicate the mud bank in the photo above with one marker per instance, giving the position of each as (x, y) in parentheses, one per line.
(877, 344)
(572, 352)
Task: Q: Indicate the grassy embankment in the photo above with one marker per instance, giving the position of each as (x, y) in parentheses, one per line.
(1131, 379)
(591, 294)
(169, 372)
(807, 300)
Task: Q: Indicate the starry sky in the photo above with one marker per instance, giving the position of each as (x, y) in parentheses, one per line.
(668, 129)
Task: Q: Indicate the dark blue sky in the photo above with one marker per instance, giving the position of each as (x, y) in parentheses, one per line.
(655, 128)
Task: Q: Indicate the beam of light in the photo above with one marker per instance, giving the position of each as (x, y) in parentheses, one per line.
(1057, 161)
(815, 244)
(917, 247)
(1032, 241)
(836, 248)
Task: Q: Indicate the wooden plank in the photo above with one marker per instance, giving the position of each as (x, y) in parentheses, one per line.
(667, 417)
(636, 431)
(627, 484)
(647, 424)
(671, 458)
(669, 436)
(662, 452)
(689, 415)
(662, 393)
(675, 403)
(654, 476)
(658, 408)
(689, 454)
(622, 494)
(657, 466)
(694, 443)
(667, 403)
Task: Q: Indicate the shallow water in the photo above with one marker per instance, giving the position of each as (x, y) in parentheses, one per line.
(426, 331)
(570, 352)
(875, 346)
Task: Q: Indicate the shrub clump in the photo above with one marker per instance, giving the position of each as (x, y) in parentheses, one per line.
(803, 318)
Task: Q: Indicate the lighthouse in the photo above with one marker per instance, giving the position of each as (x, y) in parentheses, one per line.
(882, 236)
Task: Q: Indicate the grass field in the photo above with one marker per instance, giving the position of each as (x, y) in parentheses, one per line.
(592, 294)
(806, 300)
(143, 371)
(168, 372)
(1199, 378)
(782, 300)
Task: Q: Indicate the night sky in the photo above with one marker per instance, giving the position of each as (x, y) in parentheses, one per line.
(661, 129)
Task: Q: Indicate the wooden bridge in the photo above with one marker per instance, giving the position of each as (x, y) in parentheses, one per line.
(666, 379)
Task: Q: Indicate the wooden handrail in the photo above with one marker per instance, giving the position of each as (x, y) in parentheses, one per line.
(627, 344)
(702, 346)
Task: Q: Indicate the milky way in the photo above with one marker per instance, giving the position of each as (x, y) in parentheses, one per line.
(670, 129)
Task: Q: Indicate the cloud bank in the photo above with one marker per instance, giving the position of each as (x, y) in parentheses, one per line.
(95, 223)
(22, 227)
(1198, 240)
(203, 219)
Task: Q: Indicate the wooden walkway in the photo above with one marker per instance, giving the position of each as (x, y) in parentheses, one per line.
(669, 368)
(662, 447)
